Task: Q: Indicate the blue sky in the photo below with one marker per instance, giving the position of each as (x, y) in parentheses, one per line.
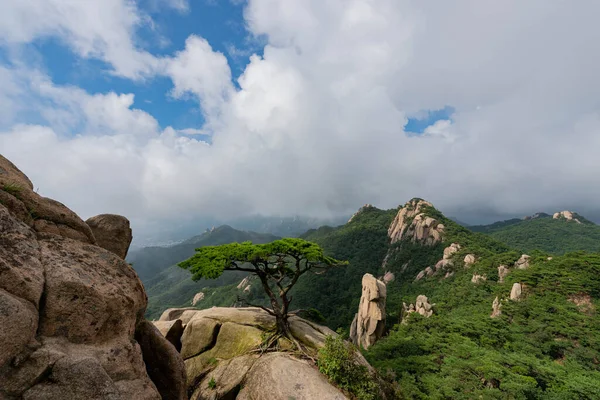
(219, 22)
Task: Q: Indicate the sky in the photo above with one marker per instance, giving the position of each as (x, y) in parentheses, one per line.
(171, 110)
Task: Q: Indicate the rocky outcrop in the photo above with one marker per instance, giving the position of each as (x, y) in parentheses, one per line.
(112, 232)
(40, 213)
(516, 291)
(443, 264)
(502, 272)
(369, 323)
(412, 223)
(522, 262)
(245, 285)
(421, 306)
(469, 260)
(496, 308)
(478, 278)
(568, 215)
(218, 344)
(198, 297)
(69, 309)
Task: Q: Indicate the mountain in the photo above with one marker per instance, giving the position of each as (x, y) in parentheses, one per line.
(496, 323)
(559, 233)
(170, 286)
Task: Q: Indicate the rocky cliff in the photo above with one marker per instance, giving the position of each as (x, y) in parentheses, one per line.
(71, 311)
(412, 222)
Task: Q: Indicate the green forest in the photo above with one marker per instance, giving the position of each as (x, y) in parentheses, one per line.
(546, 345)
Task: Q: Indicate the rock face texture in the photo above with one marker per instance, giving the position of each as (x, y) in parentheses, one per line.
(69, 310)
(216, 347)
(369, 323)
(412, 223)
(112, 232)
(568, 215)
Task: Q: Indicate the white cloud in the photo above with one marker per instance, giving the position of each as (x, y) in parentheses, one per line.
(316, 125)
(92, 29)
(200, 71)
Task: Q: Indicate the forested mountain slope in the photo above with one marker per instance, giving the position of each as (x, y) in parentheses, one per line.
(544, 232)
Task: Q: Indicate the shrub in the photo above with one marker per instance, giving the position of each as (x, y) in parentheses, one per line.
(337, 360)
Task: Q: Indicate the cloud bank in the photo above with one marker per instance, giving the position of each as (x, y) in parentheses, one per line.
(315, 125)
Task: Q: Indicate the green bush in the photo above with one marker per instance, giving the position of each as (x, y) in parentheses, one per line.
(337, 362)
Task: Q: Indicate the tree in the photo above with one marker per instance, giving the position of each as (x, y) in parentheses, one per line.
(278, 265)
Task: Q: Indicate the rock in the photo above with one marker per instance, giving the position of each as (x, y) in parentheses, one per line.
(496, 308)
(163, 362)
(91, 294)
(76, 379)
(411, 223)
(522, 262)
(200, 334)
(568, 215)
(245, 282)
(197, 298)
(469, 260)
(172, 331)
(388, 277)
(11, 175)
(227, 376)
(171, 314)
(442, 264)
(429, 271)
(309, 333)
(45, 215)
(421, 306)
(218, 342)
(450, 250)
(515, 292)
(68, 308)
(448, 274)
(420, 275)
(18, 325)
(232, 340)
(502, 272)
(478, 278)
(286, 378)
(112, 232)
(370, 319)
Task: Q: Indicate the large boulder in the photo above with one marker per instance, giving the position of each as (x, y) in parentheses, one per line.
(163, 362)
(68, 308)
(112, 232)
(286, 378)
(369, 323)
(220, 348)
